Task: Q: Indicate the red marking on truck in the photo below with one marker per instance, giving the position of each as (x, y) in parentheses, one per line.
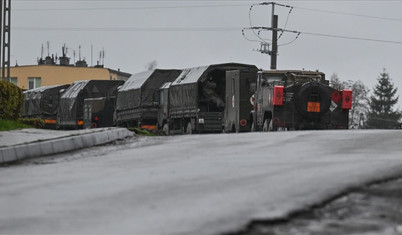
(347, 99)
(313, 107)
(50, 121)
(148, 127)
(336, 96)
(243, 122)
(278, 96)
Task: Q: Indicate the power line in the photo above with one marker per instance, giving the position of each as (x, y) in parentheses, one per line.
(222, 29)
(326, 35)
(130, 8)
(352, 38)
(129, 29)
(251, 24)
(154, 1)
(202, 6)
(348, 14)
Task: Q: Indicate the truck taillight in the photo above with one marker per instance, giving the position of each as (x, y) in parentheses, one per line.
(347, 99)
(278, 96)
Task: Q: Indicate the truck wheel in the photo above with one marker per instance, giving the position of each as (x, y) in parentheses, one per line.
(268, 126)
(252, 129)
(165, 129)
(189, 129)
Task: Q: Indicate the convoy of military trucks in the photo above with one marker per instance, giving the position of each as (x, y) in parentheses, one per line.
(217, 98)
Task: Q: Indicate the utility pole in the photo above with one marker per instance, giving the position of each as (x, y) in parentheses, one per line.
(274, 51)
(6, 37)
(274, 25)
(1, 35)
(274, 28)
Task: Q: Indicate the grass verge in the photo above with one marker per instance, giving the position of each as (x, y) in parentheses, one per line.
(143, 132)
(8, 125)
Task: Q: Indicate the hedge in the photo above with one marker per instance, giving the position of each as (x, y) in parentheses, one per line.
(11, 99)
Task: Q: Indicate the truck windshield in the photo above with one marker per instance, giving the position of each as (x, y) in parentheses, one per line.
(289, 78)
(302, 78)
(271, 79)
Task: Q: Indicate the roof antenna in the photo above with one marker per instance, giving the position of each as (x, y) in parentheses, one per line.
(48, 48)
(41, 52)
(92, 55)
(79, 52)
(101, 60)
(64, 50)
(103, 56)
(41, 60)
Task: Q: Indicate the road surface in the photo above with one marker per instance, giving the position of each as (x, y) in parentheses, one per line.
(199, 184)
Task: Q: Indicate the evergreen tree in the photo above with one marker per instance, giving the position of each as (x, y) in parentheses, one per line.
(381, 114)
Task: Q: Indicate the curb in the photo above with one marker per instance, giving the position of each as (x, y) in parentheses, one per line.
(60, 145)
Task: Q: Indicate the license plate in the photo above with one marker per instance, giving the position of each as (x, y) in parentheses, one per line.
(313, 107)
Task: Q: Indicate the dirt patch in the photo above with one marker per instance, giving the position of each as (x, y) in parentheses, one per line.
(375, 209)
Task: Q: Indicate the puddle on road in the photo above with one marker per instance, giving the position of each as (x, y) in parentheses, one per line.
(375, 209)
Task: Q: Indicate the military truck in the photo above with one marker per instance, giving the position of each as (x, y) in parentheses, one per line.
(43, 103)
(71, 108)
(98, 112)
(240, 88)
(137, 100)
(298, 100)
(196, 100)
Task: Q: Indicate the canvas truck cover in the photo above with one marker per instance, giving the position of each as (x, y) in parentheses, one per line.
(42, 101)
(184, 90)
(72, 101)
(139, 90)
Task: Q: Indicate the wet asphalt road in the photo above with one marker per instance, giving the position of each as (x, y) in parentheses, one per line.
(374, 209)
(130, 188)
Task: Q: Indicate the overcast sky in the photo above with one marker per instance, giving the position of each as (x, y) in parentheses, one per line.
(181, 34)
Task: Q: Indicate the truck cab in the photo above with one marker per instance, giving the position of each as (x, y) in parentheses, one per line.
(298, 100)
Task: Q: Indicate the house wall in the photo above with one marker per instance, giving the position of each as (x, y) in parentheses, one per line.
(58, 75)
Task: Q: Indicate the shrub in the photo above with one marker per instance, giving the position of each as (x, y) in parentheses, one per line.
(11, 99)
(33, 122)
(140, 131)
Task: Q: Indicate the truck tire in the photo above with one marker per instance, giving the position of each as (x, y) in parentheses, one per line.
(189, 129)
(165, 129)
(302, 98)
(267, 127)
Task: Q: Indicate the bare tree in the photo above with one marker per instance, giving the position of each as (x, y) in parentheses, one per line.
(360, 105)
(335, 82)
(360, 102)
(151, 65)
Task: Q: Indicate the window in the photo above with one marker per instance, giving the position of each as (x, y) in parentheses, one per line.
(34, 83)
(13, 80)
